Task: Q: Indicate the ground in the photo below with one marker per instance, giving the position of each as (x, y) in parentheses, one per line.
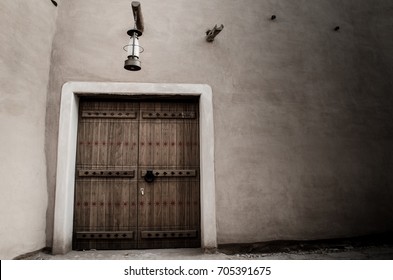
(384, 252)
(369, 247)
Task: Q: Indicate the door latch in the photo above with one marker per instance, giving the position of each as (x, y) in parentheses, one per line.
(149, 176)
(142, 191)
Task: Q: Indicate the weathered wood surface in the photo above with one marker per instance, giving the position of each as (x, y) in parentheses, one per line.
(114, 202)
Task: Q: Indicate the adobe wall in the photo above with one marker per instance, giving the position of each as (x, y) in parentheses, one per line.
(302, 113)
(27, 29)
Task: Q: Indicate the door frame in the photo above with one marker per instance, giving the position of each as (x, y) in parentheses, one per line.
(66, 151)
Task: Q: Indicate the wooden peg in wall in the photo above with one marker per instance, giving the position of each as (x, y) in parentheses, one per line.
(211, 34)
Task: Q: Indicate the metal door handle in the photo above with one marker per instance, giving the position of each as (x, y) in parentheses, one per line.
(149, 176)
(142, 191)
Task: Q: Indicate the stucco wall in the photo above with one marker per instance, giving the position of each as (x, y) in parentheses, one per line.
(26, 34)
(302, 113)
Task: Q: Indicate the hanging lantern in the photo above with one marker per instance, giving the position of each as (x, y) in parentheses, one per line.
(133, 50)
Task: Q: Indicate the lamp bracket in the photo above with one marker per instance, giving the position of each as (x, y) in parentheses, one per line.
(137, 12)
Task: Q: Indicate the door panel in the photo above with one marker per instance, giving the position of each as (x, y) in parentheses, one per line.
(118, 142)
(168, 144)
(106, 184)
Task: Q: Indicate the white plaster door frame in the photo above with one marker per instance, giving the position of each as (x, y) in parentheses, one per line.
(66, 151)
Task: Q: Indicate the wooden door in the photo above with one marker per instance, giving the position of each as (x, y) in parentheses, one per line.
(118, 206)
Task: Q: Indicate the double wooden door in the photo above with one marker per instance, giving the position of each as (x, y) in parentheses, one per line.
(137, 175)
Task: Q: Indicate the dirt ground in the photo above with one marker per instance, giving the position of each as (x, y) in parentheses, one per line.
(370, 247)
(384, 252)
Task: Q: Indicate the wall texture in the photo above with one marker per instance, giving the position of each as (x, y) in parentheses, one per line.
(302, 113)
(25, 49)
